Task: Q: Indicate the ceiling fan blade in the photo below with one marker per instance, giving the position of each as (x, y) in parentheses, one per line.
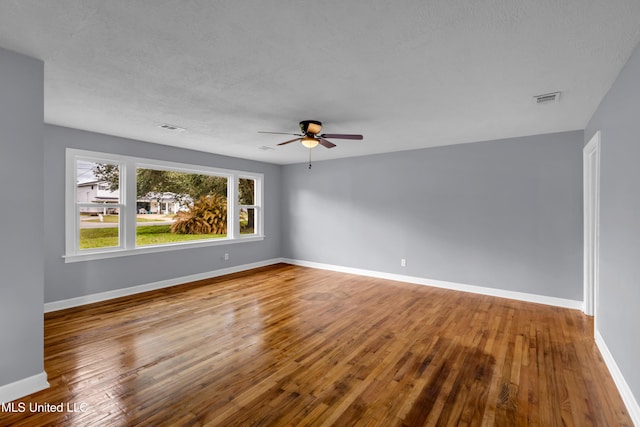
(289, 141)
(281, 133)
(340, 136)
(326, 143)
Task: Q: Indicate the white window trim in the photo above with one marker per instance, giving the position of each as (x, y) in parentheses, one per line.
(259, 217)
(127, 205)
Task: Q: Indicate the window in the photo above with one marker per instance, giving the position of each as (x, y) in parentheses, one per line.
(119, 205)
(248, 206)
(179, 206)
(97, 204)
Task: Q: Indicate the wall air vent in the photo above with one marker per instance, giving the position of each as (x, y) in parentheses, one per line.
(547, 98)
(172, 128)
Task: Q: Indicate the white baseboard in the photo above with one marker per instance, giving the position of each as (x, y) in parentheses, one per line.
(103, 296)
(623, 388)
(521, 296)
(23, 387)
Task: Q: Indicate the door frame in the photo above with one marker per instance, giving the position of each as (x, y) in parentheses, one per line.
(591, 210)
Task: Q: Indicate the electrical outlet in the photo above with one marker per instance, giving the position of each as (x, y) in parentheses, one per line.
(226, 257)
(403, 262)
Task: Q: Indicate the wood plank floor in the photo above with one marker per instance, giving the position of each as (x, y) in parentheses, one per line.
(291, 346)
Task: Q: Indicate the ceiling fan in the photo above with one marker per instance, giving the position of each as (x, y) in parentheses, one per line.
(311, 136)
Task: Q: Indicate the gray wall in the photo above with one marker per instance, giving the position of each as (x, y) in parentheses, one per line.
(21, 228)
(618, 315)
(64, 281)
(504, 214)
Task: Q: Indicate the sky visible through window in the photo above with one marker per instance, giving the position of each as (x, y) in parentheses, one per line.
(85, 171)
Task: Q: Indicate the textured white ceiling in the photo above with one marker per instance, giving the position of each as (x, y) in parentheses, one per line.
(406, 74)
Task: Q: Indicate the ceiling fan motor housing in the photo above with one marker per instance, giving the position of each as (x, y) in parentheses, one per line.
(312, 127)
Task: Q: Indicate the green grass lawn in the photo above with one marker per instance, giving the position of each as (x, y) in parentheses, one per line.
(91, 238)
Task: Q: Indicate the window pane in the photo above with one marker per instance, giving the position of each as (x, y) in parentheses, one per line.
(98, 229)
(246, 191)
(97, 183)
(247, 220)
(178, 207)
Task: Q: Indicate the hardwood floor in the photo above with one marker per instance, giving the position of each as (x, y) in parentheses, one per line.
(291, 346)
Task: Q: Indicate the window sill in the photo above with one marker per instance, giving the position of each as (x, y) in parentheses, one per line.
(116, 253)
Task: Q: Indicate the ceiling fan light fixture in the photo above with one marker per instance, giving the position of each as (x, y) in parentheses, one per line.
(309, 142)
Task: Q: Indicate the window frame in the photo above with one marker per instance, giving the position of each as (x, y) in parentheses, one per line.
(257, 207)
(127, 206)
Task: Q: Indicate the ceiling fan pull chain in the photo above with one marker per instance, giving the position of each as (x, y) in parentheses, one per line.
(309, 158)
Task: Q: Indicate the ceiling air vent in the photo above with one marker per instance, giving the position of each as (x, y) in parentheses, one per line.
(172, 128)
(547, 98)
